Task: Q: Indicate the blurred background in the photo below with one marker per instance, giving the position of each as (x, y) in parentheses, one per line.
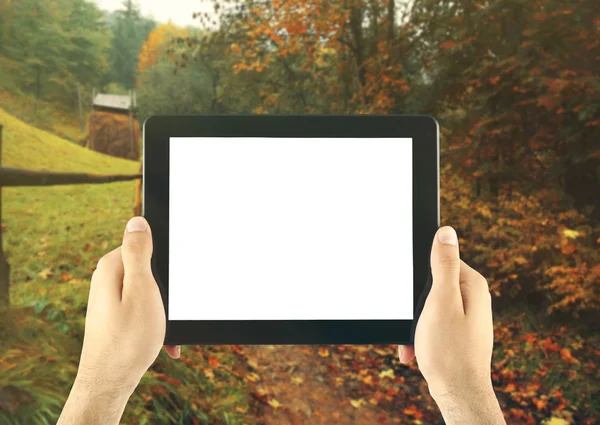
(515, 85)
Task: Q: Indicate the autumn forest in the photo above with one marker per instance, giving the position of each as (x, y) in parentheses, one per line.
(515, 86)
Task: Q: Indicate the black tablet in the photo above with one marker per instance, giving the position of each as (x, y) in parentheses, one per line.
(291, 229)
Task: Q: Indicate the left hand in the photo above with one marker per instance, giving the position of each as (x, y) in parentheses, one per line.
(125, 324)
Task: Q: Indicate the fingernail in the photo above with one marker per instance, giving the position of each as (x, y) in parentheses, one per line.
(400, 351)
(447, 235)
(178, 350)
(137, 224)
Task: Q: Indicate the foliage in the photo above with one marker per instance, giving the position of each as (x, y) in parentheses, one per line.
(56, 55)
(313, 57)
(157, 44)
(531, 249)
(519, 82)
(130, 30)
(161, 90)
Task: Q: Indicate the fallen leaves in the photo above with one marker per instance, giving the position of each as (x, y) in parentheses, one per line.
(413, 411)
(387, 374)
(44, 274)
(213, 361)
(323, 352)
(252, 377)
(274, 403)
(356, 403)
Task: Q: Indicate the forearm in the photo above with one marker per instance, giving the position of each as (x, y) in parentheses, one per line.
(477, 408)
(92, 405)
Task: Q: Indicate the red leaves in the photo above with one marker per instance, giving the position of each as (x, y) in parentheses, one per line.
(448, 45)
(566, 355)
(568, 249)
(413, 411)
(548, 345)
(165, 378)
(549, 102)
(213, 361)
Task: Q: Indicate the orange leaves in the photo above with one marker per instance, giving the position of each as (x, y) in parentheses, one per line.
(157, 43)
(323, 352)
(548, 345)
(296, 28)
(566, 355)
(165, 378)
(568, 249)
(494, 80)
(448, 45)
(213, 361)
(413, 411)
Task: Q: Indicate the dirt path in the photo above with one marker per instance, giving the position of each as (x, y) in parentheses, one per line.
(298, 385)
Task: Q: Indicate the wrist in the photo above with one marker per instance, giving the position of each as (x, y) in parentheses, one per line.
(94, 404)
(476, 405)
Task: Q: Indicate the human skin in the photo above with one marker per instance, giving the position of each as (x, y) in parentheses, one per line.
(125, 329)
(454, 338)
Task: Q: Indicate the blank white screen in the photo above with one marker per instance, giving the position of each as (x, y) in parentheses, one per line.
(290, 229)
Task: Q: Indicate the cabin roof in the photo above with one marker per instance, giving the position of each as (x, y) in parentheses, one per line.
(121, 102)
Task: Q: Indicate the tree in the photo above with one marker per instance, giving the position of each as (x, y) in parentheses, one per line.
(519, 79)
(60, 45)
(37, 41)
(129, 32)
(156, 45)
(87, 42)
(314, 56)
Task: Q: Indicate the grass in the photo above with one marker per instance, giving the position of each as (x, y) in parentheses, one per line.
(55, 234)
(53, 237)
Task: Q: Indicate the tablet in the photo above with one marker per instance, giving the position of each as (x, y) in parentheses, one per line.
(291, 229)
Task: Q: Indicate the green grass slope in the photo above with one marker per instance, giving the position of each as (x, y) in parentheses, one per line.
(55, 234)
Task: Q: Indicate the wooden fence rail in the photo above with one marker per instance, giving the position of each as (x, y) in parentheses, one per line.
(19, 177)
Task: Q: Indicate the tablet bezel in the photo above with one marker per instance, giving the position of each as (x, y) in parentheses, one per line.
(424, 132)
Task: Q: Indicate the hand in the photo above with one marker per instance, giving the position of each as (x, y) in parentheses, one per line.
(124, 330)
(454, 335)
(125, 322)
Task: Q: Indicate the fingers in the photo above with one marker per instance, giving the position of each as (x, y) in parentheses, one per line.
(406, 353)
(136, 250)
(174, 351)
(475, 291)
(107, 279)
(445, 269)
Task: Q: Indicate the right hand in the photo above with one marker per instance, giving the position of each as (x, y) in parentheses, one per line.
(455, 335)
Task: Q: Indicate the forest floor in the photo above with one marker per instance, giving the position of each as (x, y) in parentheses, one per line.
(303, 385)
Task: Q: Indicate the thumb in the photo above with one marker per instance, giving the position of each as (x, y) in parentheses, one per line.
(445, 270)
(136, 250)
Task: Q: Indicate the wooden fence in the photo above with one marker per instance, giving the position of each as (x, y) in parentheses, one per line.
(19, 177)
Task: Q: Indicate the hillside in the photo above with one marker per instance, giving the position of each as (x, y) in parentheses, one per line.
(40, 113)
(25, 146)
(55, 234)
